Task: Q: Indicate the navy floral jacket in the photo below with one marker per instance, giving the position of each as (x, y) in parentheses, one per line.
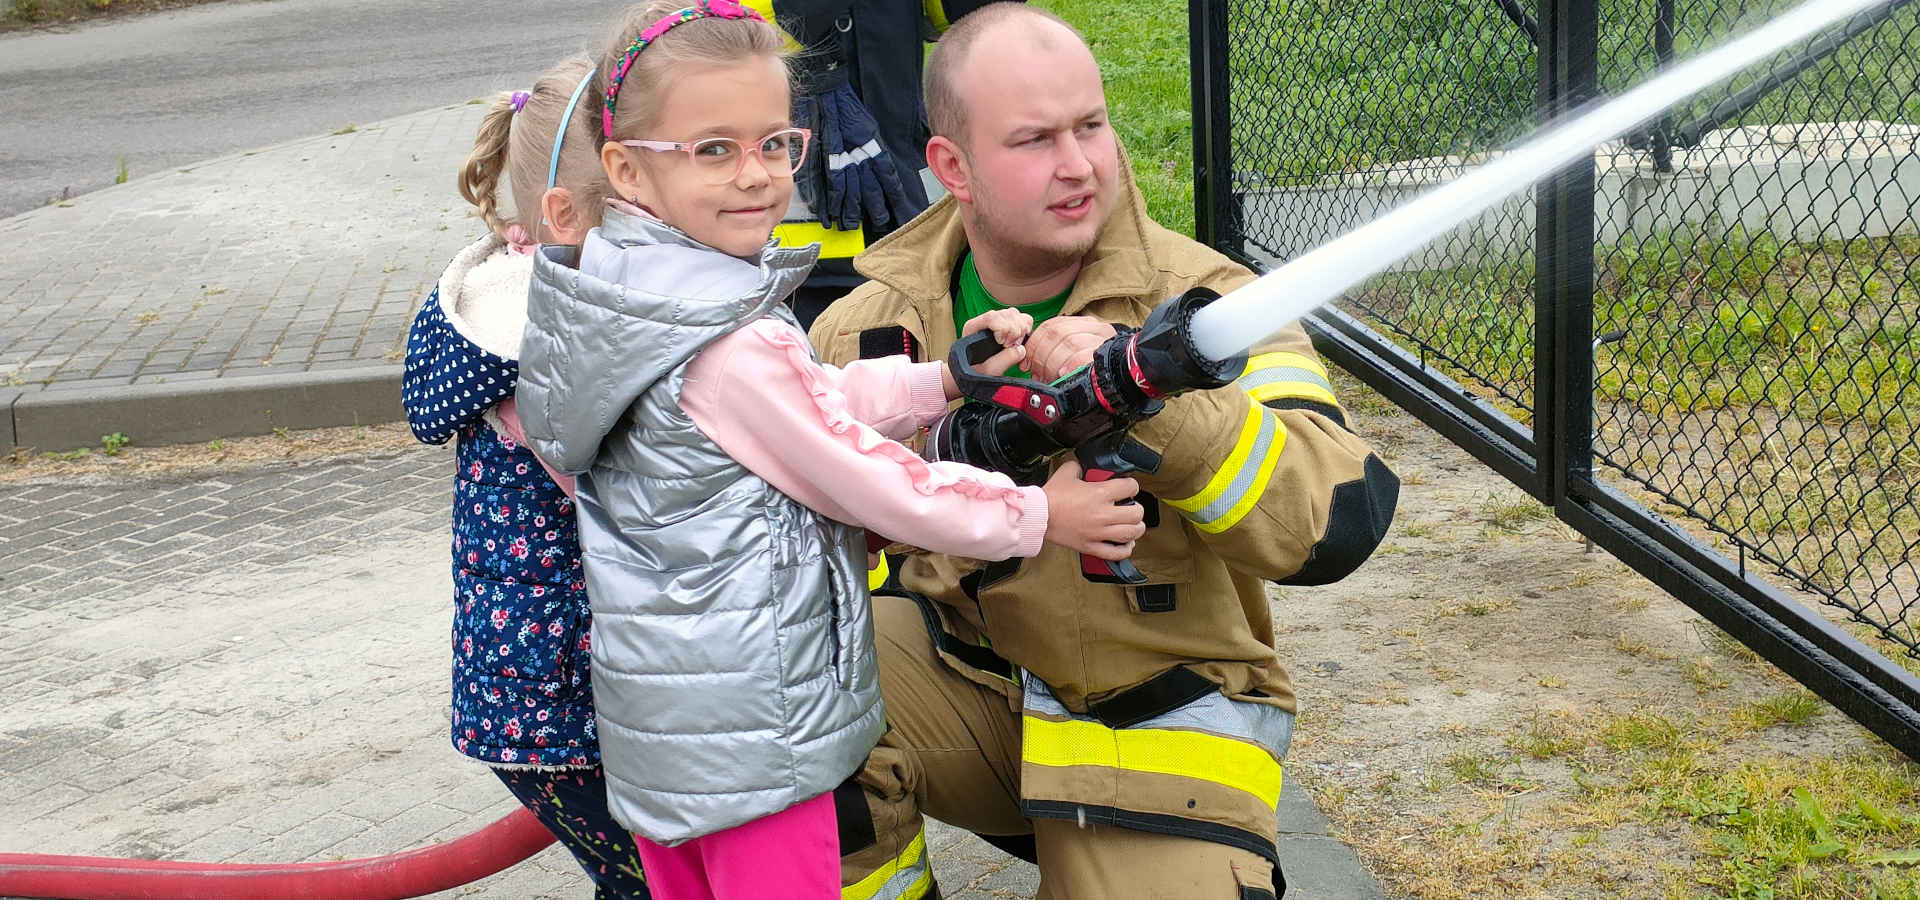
(521, 694)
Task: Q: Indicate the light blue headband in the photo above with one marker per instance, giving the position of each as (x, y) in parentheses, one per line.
(560, 134)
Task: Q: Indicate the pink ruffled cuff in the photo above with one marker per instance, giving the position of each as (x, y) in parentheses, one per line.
(926, 478)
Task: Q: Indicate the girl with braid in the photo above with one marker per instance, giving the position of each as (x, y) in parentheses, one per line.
(522, 695)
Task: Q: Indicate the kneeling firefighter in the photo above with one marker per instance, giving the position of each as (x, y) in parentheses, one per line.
(1127, 732)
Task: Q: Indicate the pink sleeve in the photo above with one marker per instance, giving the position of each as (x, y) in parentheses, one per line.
(892, 394)
(509, 418)
(760, 396)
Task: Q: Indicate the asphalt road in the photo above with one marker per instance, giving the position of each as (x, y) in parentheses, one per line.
(168, 89)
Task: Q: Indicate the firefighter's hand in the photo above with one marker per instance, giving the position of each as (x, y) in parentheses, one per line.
(1086, 517)
(1009, 327)
(1064, 343)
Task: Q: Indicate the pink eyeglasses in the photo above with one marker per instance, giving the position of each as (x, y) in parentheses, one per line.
(720, 160)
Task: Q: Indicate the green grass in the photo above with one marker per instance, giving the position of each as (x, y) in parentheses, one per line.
(1547, 737)
(1831, 90)
(1329, 87)
(1513, 515)
(1335, 86)
(1765, 824)
(1790, 708)
(1793, 367)
(19, 14)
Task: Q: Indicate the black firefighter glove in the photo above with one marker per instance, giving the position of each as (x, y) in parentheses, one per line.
(860, 179)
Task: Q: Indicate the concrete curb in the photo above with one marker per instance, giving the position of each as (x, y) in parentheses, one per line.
(200, 411)
(8, 400)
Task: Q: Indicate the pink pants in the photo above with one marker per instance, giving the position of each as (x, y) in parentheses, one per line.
(794, 853)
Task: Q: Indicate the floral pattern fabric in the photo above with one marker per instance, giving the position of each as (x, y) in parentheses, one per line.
(521, 690)
(522, 694)
(573, 805)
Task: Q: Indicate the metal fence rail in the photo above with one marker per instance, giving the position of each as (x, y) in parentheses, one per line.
(1716, 319)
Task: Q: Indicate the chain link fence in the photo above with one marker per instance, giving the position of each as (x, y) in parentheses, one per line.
(1761, 261)
(1754, 367)
(1342, 111)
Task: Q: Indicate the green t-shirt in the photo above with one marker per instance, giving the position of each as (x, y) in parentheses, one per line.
(971, 299)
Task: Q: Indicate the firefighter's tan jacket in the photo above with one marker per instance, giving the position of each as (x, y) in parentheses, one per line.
(1258, 481)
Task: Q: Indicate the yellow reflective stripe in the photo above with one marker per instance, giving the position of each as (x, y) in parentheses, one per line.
(877, 575)
(1189, 754)
(1292, 389)
(1237, 486)
(1282, 358)
(765, 9)
(834, 243)
(936, 14)
(1272, 376)
(905, 877)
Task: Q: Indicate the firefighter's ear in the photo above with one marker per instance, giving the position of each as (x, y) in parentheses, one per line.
(948, 163)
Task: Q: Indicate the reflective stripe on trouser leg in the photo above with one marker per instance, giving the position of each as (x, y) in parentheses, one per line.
(1208, 769)
(905, 877)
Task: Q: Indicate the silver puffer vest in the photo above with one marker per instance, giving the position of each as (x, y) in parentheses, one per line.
(732, 665)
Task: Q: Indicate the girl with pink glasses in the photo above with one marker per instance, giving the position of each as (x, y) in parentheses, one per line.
(725, 476)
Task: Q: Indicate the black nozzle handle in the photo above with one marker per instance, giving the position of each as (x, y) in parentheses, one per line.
(1041, 403)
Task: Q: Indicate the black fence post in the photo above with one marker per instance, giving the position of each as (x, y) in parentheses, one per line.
(1660, 136)
(1213, 213)
(1563, 258)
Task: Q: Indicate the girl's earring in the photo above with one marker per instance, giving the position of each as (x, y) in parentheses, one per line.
(636, 199)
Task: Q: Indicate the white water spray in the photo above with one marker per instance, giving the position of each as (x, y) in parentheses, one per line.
(1247, 316)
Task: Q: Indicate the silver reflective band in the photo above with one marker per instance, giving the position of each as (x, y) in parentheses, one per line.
(1275, 374)
(862, 153)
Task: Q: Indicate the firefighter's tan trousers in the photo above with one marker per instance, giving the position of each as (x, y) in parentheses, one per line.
(953, 752)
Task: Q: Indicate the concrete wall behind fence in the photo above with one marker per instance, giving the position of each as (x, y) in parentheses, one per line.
(1805, 182)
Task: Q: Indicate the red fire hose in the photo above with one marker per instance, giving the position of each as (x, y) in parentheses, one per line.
(409, 874)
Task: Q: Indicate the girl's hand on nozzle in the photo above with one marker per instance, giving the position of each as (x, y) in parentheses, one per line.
(1087, 517)
(1010, 327)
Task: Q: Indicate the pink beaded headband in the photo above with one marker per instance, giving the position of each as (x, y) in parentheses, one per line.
(719, 9)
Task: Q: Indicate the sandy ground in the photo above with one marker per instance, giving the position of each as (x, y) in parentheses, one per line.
(183, 460)
(1489, 708)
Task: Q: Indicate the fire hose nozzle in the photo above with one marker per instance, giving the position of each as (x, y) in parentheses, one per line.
(1160, 360)
(1017, 426)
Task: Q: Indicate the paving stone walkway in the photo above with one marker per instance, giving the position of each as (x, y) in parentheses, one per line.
(251, 666)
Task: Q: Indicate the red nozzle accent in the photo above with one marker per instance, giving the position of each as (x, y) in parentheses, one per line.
(1133, 368)
(1021, 400)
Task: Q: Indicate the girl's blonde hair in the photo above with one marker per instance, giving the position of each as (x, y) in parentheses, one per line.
(708, 40)
(520, 145)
